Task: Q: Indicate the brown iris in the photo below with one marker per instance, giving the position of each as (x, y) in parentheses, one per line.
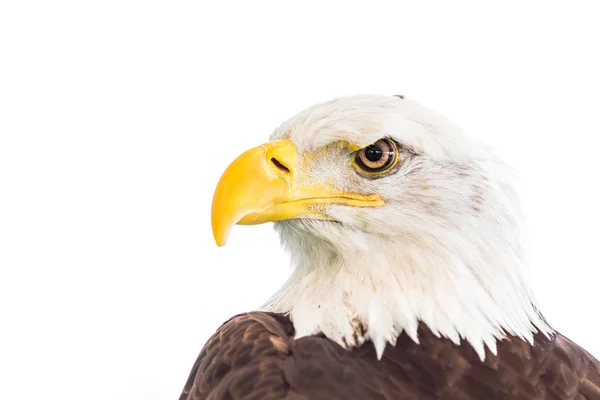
(379, 157)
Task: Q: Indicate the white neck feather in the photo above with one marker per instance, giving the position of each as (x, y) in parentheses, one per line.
(360, 294)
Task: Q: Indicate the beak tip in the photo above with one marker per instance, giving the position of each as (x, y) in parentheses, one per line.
(221, 238)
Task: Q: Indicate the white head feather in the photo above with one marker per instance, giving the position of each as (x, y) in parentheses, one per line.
(444, 250)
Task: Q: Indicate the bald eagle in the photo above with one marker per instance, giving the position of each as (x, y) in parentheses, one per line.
(409, 279)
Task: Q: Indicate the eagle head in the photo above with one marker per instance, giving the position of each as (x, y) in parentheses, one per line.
(393, 217)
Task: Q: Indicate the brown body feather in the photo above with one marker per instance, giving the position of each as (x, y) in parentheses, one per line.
(254, 356)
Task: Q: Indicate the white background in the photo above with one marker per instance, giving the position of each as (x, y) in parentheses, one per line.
(117, 118)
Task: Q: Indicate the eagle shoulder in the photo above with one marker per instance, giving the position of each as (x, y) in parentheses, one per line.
(243, 359)
(573, 373)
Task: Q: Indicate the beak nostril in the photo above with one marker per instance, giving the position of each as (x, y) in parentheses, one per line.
(280, 166)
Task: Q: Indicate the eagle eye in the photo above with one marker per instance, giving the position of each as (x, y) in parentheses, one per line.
(377, 158)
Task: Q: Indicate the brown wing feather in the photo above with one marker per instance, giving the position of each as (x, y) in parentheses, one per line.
(254, 356)
(242, 360)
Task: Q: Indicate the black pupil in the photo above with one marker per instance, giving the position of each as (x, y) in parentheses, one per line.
(373, 153)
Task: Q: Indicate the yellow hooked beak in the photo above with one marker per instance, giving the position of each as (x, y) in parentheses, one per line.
(262, 186)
